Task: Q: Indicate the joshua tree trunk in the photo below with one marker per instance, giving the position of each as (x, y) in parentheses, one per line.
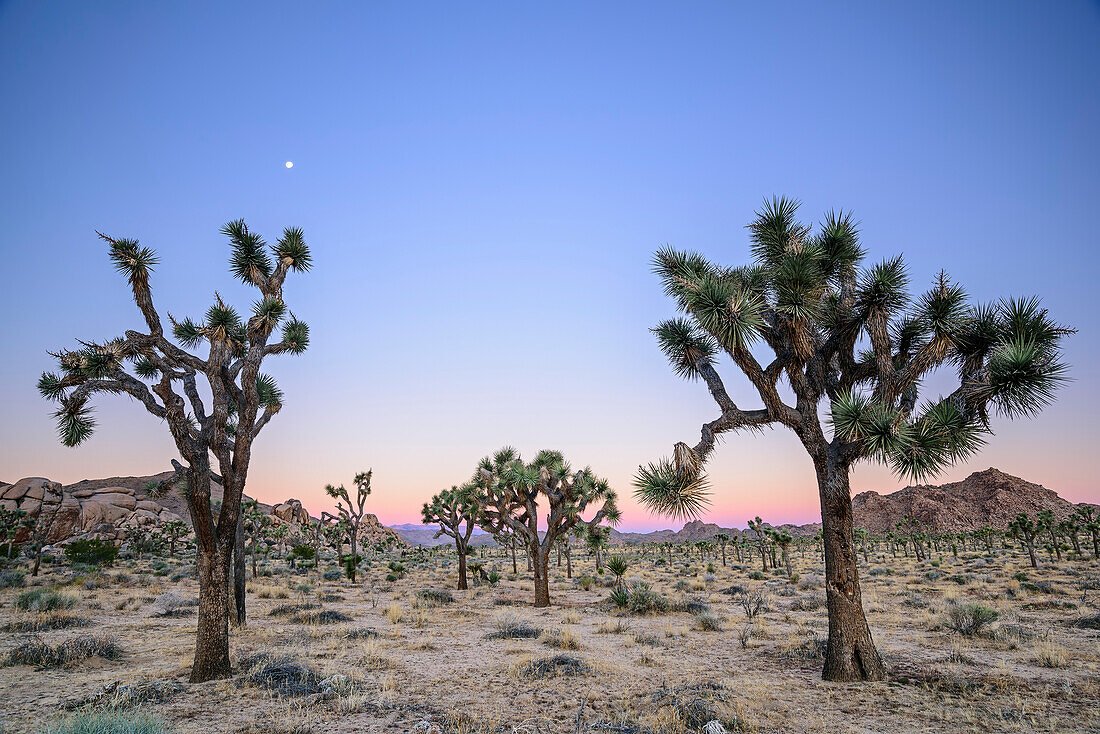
(515, 570)
(850, 654)
(212, 633)
(541, 562)
(568, 561)
(461, 565)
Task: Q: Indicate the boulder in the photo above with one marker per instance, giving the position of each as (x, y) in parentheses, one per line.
(291, 512)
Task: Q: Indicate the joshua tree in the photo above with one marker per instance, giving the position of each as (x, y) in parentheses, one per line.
(13, 522)
(256, 524)
(509, 493)
(450, 508)
(1026, 531)
(1091, 523)
(43, 521)
(352, 514)
(782, 539)
(1050, 525)
(807, 302)
(161, 375)
(140, 539)
(757, 526)
(722, 539)
(173, 531)
(596, 539)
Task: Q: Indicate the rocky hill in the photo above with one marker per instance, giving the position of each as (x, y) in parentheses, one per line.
(988, 497)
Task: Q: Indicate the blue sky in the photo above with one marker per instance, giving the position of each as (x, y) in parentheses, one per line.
(483, 186)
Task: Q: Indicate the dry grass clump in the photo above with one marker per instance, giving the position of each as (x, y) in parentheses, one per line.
(109, 722)
(809, 602)
(323, 616)
(511, 627)
(46, 621)
(613, 627)
(373, 658)
(270, 592)
(708, 622)
(44, 600)
(694, 707)
(39, 653)
(286, 610)
(803, 648)
(560, 639)
(394, 613)
(118, 695)
(280, 673)
(434, 597)
(1049, 654)
(552, 667)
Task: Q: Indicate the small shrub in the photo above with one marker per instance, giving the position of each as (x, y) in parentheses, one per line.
(37, 652)
(41, 600)
(644, 600)
(45, 621)
(109, 722)
(435, 597)
(332, 574)
(562, 639)
(757, 576)
(286, 610)
(325, 616)
(809, 602)
(553, 666)
(586, 582)
(753, 603)
(1088, 622)
(281, 674)
(812, 648)
(92, 552)
(11, 579)
(970, 619)
(1020, 576)
(1049, 654)
(510, 627)
(708, 622)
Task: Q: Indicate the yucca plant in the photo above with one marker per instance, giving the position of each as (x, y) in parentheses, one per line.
(618, 566)
(513, 496)
(223, 420)
(851, 346)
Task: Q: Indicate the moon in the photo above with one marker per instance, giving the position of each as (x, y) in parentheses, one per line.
(290, 164)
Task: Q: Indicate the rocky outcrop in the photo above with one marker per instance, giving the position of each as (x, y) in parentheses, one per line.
(105, 508)
(88, 511)
(291, 512)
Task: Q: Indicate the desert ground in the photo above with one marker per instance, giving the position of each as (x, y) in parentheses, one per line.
(412, 654)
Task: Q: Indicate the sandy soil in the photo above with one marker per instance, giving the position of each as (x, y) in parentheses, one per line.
(1035, 669)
